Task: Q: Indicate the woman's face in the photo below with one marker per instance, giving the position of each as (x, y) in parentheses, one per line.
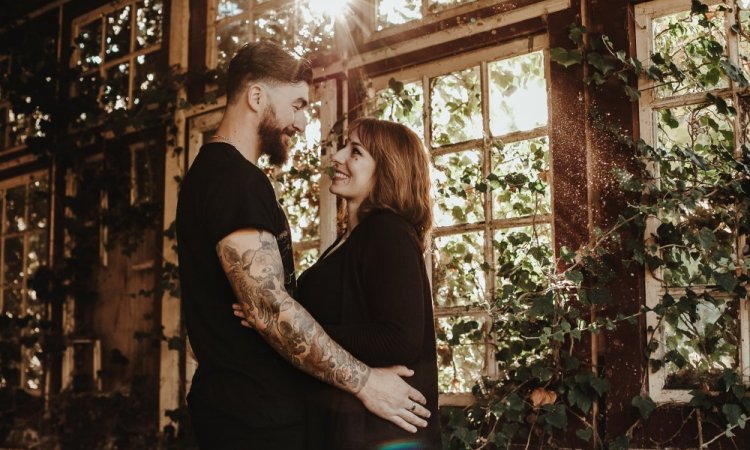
(354, 171)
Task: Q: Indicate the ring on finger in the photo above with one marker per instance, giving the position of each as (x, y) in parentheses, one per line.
(413, 407)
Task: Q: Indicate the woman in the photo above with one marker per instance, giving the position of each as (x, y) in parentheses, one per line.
(370, 289)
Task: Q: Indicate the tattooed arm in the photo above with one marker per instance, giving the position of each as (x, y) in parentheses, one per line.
(252, 263)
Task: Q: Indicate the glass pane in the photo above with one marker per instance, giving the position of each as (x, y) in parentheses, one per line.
(299, 180)
(694, 141)
(524, 260)
(19, 128)
(520, 178)
(277, 26)
(458, 274)
(455, 179)
(145, 80)
(15, 209)
(518, 94)
(38, 204)
(116, 87)
(303, 259)
(434, 6)
(145, 176)
(13, 274)
(701, 341)
(229, 8)
(676, 36)
(87, 88)
(33, 365)
(743, 21)
(744, 113)
(456, 107)
(461, 353)
(403, 103)
(315, 31)
(229, 39)
(4, 72)
(149, 18)
(3, 128)
(118, 34)
(89, 42)
(395, 12)
(35, 258)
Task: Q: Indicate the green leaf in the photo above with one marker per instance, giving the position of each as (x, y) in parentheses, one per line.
(697, 7)
(733, 413)
(621, 443)
(633, 93)
(574, 276)
(576, 33)
(727, 281)
(600, 385)
(601, 62)
(584, 434)
(565, 58)
(644, 404)
(556, 416)
(706, 238)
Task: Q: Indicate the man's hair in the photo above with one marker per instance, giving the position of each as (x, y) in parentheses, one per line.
(402, 173)
(268, 62)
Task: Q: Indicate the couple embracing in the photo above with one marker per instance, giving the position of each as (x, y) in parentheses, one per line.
(344, 357)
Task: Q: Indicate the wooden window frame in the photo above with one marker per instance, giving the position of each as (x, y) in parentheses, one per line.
(424, 73)
(24, 180)
(649, 106)
(129, 58)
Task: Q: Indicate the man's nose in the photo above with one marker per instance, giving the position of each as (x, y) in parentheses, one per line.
(300, 122)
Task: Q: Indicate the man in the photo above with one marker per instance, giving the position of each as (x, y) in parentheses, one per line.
(235, 244)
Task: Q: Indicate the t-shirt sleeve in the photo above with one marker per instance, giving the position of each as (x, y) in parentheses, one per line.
(239, 200)
(392, 276)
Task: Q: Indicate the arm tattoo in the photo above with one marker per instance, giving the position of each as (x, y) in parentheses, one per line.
(257, 278)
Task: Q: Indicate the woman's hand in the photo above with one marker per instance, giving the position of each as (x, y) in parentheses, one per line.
(239, 312)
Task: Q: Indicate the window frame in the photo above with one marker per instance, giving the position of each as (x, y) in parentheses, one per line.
(428, 18)
(424, 73)
(129, 58)
(24, 180)
(649, 106)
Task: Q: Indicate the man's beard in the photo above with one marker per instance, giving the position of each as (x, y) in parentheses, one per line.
(271, 142)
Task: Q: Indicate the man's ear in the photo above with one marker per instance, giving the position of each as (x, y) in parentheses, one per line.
(256, 97)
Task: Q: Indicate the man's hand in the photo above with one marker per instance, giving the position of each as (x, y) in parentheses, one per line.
(389, 397)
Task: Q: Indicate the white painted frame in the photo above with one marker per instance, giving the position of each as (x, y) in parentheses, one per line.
(649, 106)
(424, 73)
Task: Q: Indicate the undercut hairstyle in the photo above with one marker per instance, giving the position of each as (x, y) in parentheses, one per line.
(268, 62)
(402, 173)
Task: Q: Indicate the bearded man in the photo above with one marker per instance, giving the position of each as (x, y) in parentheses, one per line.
(234, 245)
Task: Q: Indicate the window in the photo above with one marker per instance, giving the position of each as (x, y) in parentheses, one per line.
(484, 120)
(710, 333)
(15, 127)
(24, 249)
(396, 12)
(116, 52)
(298, 187)
(143, 167)
(304, 27)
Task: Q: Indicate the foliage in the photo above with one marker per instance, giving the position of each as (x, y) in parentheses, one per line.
(690, 189)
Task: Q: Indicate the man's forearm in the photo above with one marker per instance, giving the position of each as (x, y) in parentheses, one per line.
(256, 276)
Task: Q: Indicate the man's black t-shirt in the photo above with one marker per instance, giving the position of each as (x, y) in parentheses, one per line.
(238, 372)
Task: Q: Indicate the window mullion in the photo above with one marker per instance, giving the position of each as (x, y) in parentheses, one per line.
(490, 367)
(2, 250)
